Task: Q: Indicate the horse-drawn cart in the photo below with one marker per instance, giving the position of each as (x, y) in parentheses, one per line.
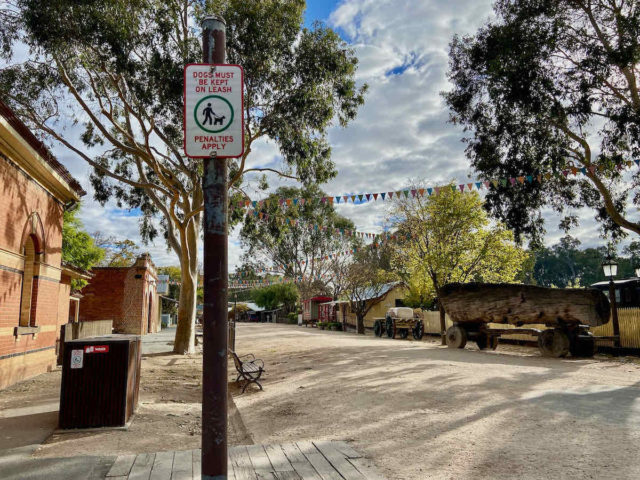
(399, 321)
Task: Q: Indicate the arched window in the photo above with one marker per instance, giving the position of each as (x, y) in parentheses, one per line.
(27, 304)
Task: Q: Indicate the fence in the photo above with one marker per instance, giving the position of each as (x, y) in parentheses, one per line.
(76, 330)
(628, 318)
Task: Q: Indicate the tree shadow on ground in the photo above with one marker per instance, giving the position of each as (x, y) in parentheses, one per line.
(414, 401)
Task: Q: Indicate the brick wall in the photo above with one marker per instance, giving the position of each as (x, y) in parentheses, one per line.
(125, 296)
(26, 209)
(10, 289)
(102, 296)
(19, 197)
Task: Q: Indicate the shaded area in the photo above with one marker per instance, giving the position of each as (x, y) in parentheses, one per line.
(422, 411)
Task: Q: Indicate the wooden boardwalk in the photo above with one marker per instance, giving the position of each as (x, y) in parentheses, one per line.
(306, 460)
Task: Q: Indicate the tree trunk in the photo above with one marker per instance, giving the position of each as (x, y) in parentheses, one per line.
(185, 332)
(360, 323)
(524, 304)
(443, 323)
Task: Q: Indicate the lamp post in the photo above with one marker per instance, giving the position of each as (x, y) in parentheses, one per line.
(610, 268)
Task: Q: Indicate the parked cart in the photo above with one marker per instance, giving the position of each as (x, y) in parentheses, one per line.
(567, 313)
(400, 321)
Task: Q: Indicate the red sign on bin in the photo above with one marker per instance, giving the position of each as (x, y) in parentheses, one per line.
(96, 349)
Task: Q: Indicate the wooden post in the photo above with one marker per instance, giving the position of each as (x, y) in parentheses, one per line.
(614, 313)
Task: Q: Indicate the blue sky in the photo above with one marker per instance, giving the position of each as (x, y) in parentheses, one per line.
(318, 10)
(401, 134)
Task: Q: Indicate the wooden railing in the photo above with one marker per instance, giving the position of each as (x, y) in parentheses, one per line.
(74, 331)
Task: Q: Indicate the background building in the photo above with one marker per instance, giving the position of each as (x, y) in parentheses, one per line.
(126, 295)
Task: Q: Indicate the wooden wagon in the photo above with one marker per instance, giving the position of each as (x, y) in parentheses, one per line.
(568, 312)
(400, 321)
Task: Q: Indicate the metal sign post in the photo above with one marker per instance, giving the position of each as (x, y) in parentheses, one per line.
(213, 125)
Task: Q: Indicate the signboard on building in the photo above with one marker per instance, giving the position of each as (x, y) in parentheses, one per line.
(163, 284)
(213, 110)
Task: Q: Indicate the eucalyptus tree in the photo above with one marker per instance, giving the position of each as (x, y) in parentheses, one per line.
(551, 88)
(112, 69)
(300, 240)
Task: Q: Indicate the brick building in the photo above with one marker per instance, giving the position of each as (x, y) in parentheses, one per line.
(34, 283)
(126, 295)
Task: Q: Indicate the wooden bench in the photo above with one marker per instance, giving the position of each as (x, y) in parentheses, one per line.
(249, 368)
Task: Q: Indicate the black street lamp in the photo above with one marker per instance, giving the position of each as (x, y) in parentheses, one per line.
(610, 268)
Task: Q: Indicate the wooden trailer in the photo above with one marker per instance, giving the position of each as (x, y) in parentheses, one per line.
(400, 321)
(567, 312)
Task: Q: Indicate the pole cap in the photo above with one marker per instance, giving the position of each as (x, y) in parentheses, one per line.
(213, 22)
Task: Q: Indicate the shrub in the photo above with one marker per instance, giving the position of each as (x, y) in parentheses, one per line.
(335, 326)
(292, 318)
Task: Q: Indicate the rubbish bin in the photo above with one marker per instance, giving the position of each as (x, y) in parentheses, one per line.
(100, 381)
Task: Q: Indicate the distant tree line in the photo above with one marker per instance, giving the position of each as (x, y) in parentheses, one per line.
(565, 264)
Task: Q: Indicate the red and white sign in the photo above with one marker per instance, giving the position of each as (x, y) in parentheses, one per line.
(96, 349)
(213, 110)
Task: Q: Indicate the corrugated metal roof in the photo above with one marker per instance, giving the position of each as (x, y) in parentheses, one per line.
(616, 282)
(371, 293)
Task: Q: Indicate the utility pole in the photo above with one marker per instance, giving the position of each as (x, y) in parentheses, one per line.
(214, 318)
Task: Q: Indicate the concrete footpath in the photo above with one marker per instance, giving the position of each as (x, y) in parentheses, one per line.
(23, 429)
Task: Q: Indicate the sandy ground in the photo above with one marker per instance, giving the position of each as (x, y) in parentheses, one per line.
(168, 415)
(418, 410)
(422, 411)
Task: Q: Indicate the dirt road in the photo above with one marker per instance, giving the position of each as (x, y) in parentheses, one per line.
(422, 411)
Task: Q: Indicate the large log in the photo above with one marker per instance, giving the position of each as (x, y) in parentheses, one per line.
(518, 304)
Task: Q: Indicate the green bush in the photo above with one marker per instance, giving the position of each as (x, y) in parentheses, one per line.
(321, 325)
(292, 318)
(335, 326)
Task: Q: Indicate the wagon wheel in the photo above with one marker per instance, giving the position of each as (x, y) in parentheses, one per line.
(553, 343)
(456, 337)
(391, 328)
(418, 330)
(482, 340)
(377, 328)
(584, 346)
(403, 332)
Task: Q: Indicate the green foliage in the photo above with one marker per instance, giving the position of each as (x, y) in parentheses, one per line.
(274, 239)
(116, 67)
(368, 275)
(274, 296)
(448, 238)
(78, 247)
(292, 318)
(123, 253)
(334, 326)
(544, 87)
(118, 253)
(566, 265)
(175, 275)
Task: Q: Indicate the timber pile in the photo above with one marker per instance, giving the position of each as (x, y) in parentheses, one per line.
(518, 304)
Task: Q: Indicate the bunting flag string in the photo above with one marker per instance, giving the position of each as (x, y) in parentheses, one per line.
(479, 185)
(337, 231)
